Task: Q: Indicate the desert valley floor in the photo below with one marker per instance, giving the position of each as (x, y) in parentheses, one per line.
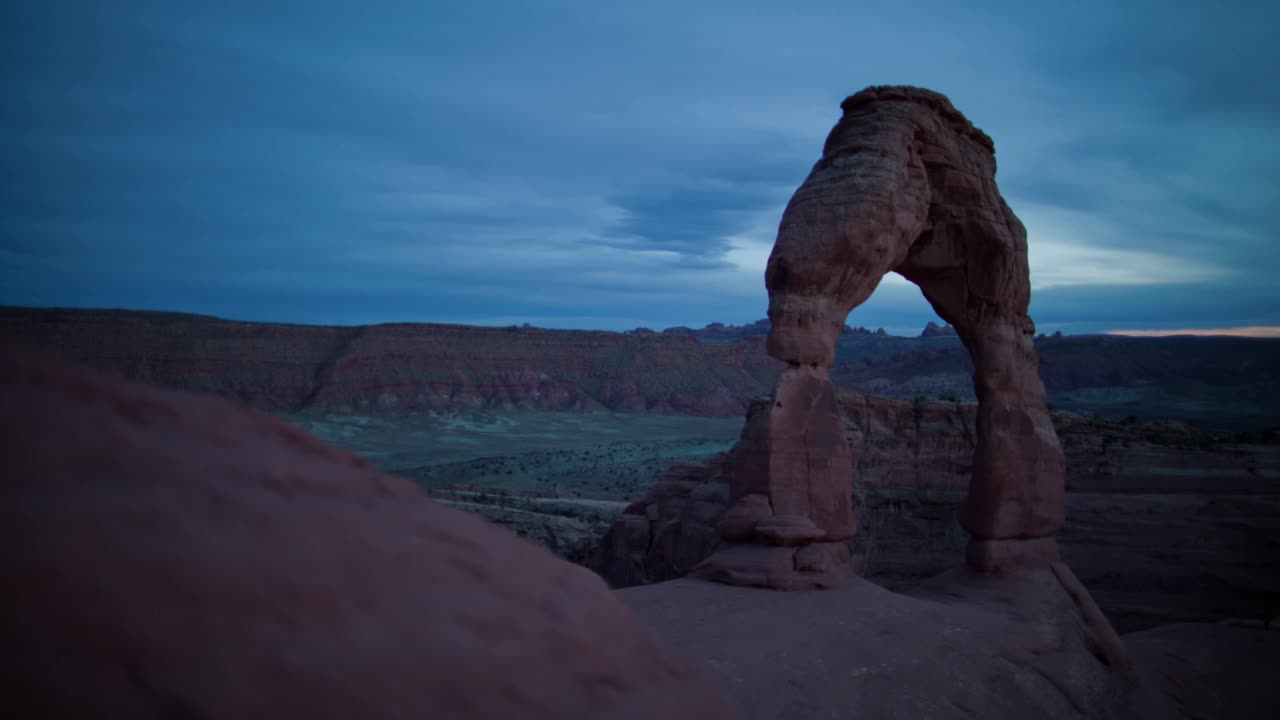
(1164, 526)
(611, 450)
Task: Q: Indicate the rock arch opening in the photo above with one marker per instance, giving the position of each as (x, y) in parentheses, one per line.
(905, 184)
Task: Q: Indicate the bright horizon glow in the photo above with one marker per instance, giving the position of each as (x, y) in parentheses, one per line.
(1257, 331)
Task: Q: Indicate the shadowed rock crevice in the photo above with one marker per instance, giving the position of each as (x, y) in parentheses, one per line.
(905, 184)
(326, 373)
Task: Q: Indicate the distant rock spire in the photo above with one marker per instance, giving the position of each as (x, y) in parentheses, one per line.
(933, 329)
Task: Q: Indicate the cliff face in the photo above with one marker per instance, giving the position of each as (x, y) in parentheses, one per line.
(1163, 522)
(403, 367)
(1224, 384)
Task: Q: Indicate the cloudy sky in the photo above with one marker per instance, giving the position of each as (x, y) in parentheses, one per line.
(609, 165)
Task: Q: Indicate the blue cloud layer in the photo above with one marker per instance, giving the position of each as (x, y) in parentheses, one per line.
(590, 165)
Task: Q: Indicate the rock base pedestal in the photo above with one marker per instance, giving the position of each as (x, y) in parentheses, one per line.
(817, 566)
(791, 514)
(780, 551)
(995, 557)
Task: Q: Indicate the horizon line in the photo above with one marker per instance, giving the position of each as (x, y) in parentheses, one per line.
(1255, 331)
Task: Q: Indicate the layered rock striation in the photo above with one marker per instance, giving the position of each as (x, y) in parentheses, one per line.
(404, 367)
(1220, 383)
(905, 184)
(790, 514)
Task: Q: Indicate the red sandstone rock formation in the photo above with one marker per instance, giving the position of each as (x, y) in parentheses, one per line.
(1165, 524)
(406, 367)
(934, 330)
(173, 555)
(905, 184)
(403, 367)
(789, 489)
(760, 328)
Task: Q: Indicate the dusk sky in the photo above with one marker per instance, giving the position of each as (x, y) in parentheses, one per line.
(610, 165)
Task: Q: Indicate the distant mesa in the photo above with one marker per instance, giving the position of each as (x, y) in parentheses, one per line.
(759, 328)
(398, 368)
(720, 331)
(935, 330)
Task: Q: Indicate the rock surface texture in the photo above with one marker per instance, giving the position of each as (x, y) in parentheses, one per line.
(1221, 384)
(1166, 524)
(905, 184)
(1029, 643)
(789, 491)
(171, 555)
(397, 368)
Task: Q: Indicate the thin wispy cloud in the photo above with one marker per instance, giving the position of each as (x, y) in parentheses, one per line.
(1073, 247)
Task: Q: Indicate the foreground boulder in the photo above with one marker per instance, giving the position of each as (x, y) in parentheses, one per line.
(173, 555)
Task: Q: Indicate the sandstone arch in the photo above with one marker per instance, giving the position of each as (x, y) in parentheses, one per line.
(905, 184)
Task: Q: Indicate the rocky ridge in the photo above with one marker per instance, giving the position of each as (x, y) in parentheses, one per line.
(1224, 384)
(403, 367)
(1229, 385)
(934, 330)
(720, 332)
